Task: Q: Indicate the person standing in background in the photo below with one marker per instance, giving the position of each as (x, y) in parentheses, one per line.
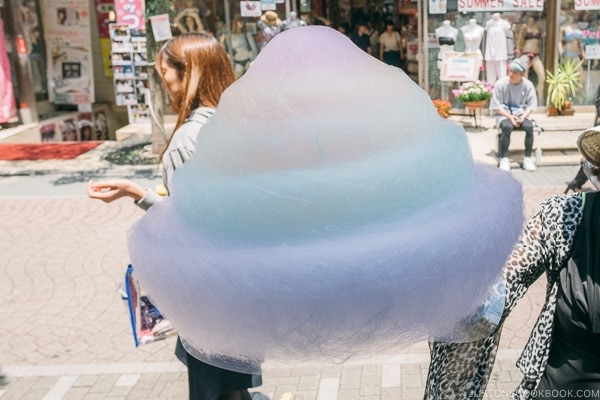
(373, 38)
(390, 46)
(361, 38)
(269, 26)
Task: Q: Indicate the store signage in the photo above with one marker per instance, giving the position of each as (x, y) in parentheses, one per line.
(459, 67)
(587, 4)
(502, 5)
(593, 35)
(592, 52)
(437, 6)
(131, 12)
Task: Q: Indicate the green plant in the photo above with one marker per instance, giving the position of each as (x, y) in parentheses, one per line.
(564, 82)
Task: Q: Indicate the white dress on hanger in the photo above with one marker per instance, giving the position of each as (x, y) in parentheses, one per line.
(496, 51)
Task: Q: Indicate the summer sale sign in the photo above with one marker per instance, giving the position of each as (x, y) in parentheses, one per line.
(501, 5)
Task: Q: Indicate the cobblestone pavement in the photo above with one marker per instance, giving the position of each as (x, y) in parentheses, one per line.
(66, 334)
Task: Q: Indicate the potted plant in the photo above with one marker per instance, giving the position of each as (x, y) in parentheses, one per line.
(563, 83)
(474, 94)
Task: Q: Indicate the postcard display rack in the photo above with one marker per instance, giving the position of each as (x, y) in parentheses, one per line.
(129, 57)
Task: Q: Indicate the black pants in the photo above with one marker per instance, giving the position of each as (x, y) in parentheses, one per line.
(393, 58)
(507, 127)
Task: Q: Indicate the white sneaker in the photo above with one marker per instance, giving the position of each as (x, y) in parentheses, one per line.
(504, 164)
(528, 164)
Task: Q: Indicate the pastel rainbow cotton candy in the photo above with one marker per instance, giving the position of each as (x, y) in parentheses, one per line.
(327, 213)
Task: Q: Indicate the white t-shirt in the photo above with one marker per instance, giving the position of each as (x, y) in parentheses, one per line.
(389, 42)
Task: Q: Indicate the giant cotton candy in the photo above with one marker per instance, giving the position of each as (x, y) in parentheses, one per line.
(328, 212)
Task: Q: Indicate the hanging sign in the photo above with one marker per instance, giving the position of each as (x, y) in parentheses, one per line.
(131, 13)
(587, 4)
(501, 5)
(250, 9)
(105, 10)
(161, 27)
(67, 34)
(268, 5)
(592, 52)
(437, 7)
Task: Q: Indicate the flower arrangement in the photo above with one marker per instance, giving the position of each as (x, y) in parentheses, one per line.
(473, 91)
(442, 107)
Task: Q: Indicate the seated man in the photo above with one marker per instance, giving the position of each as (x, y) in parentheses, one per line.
(514, 99)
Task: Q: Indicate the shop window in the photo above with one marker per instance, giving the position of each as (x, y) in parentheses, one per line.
(489, 41)
(578, 38)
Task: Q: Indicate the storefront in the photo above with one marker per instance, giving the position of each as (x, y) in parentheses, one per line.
(476, 39)
(56, 65)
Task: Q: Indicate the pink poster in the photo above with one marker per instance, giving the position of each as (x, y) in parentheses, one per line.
(131, 12)
(8, 107)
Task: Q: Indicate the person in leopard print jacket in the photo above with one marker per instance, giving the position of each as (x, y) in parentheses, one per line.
(562, 355)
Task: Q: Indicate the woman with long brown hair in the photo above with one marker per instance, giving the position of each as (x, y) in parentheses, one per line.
(195, 71)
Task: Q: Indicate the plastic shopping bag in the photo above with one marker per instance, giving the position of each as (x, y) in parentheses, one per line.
(147, 323)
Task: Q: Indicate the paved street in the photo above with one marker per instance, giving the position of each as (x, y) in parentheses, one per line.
(66, 333)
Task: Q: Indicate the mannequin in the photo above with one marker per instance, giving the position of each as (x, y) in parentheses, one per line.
(570, 45)
(472, 35)
(496, 52)
(529, 44)
(446, 35)
(293, 21)
(243, 45)
(188, 20)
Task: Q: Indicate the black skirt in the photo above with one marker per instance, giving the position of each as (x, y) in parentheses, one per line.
(207, 382)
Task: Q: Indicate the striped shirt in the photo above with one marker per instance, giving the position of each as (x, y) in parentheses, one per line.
(180, 150)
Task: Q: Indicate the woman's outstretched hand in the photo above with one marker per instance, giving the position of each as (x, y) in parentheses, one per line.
(108, 191)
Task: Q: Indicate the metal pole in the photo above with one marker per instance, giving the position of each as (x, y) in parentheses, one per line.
(552, 27)
(26, 94)
(423, 56)
(228, 31)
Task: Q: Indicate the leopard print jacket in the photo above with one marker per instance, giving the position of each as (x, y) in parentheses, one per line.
(461, 370)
